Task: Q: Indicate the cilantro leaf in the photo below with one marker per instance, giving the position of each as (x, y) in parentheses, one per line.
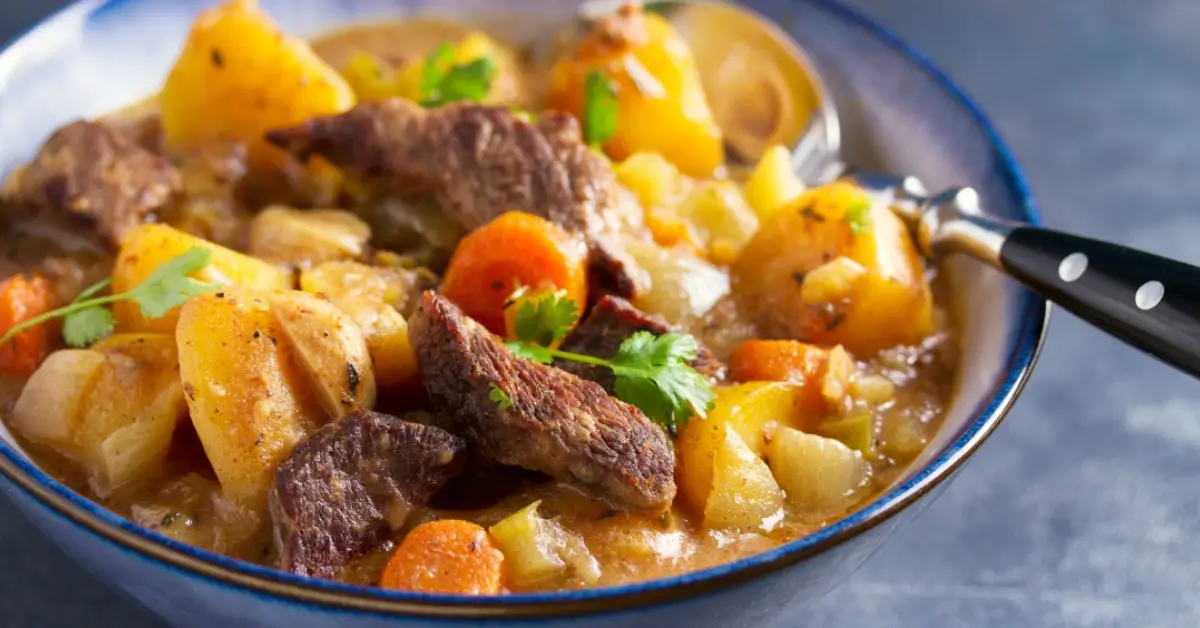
(169, 286)
(530, 351)
(546, 319)
(858, 217)
(443, 83)
(84, 328)
(436, 65)
(599, 109)
(653, 372)
(85, 320)
(500, 397)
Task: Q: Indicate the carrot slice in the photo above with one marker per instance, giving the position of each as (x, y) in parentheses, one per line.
(22, 298)
(515, 249)
(783, 361)
(447, 556)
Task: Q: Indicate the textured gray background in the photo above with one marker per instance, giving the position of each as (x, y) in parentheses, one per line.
(1084, 509)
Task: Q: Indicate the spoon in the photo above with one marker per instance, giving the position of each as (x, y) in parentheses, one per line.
(1150, 302)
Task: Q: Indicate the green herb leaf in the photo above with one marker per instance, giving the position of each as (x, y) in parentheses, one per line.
(444, 83)
(85, 327)
(858, 217)
(169, 286)
(530, 351)
(599, 109)
(436, 65)
(653, 374)
(93, 289)
(86, 321)
(500, 397)
(547, 319)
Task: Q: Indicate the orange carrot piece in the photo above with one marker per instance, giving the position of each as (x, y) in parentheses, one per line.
(515, 249)
(783, 361)
(22, 298)
(447, 556)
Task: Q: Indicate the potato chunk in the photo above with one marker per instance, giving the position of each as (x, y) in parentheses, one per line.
(773, 182)
(134, 406)
(150, 245)
(366, 294)
(889, 304)
(661, 104)
(744, 494)
(239, 75)
(250, 399)
(749, 409)
(330, 349)
(112, 408)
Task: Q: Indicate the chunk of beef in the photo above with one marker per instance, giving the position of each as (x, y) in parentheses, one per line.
(479, 162)
(610, 321)
(346, 487)
(209, 206)
(89, 170)
(483, 484)
(557, 424)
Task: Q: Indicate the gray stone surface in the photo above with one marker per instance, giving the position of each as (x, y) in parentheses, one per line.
(1082, 511)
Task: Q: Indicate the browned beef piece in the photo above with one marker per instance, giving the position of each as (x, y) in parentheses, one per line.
(209, 206)
(557, 424)
(612, 320)
(479, 162)
(89, 170)
(346, 487)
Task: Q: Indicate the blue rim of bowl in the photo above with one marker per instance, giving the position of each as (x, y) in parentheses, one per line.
(1027, 339)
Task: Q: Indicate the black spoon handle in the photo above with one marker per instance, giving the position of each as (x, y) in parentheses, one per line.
(1150, 302)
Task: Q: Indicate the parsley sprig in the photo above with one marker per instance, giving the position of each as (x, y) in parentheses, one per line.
(652, 372)
(444, 82)
(86, 320)
(599, 109)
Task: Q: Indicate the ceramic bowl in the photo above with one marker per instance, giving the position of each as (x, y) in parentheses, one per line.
(899, 112)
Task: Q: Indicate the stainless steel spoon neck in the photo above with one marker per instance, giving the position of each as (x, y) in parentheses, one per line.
(951, 221)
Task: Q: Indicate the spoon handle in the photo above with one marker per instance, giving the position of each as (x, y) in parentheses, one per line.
(1150, 302)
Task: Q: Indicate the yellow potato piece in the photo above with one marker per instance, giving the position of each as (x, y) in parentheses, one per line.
(240, 75)
(250, 399)
(661, 104)
(750, 410)
(330, 348)
(134, 405)
(654, 180)
(150, 245)
(773, 182)
(890, 304)
(744, 494)
(365, 293)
